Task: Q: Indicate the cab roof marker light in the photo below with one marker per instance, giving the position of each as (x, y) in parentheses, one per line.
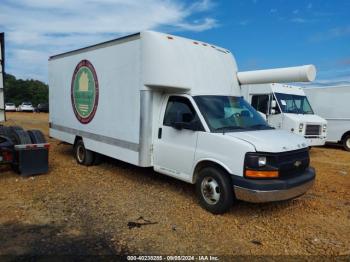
(203, 44)
(170, 37)
(196, 43)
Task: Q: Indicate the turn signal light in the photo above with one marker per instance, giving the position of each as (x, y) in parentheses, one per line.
(261, 174)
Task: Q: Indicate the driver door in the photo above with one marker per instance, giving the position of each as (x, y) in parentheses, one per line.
(275, 118)
(175, 147)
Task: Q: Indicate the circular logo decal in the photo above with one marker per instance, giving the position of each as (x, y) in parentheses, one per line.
(84, 91)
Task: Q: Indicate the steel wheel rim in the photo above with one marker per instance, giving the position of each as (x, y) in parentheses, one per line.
(348, 143)
(80, 153)
(210, 190)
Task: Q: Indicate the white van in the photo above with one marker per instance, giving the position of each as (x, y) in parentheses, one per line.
(332, 103)
(287, 107)
(174, 104)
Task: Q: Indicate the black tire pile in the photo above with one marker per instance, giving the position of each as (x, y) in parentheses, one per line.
(19, 136)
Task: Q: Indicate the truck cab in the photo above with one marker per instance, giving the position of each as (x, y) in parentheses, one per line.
(204, 139)
(287, 107)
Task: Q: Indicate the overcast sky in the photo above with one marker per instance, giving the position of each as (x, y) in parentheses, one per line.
(260, 33)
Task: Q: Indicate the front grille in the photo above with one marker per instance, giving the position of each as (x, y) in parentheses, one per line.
(313, 130)
(291, 163)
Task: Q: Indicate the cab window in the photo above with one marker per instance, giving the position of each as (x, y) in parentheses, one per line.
(260, 103)
(179, 109)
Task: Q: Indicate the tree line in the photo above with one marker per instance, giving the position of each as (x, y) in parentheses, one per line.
(19, 90)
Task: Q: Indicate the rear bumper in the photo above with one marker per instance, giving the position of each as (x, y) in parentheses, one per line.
(259, 191)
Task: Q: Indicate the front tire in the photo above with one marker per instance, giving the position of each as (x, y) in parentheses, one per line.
(214, 190)
(346, 143)
(82, 155)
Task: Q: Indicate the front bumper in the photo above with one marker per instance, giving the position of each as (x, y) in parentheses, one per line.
(315, 141)
(270, 190)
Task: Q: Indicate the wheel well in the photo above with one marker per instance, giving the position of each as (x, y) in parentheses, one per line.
(77, 138)
(206, 163)
(345, 135)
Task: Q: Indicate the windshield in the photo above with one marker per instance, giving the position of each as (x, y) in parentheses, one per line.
(228, 113)
(294, 104)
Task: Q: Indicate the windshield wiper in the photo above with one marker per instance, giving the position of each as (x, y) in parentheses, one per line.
(228, 128)
(259, 126)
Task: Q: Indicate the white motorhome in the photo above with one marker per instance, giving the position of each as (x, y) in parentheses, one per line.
(2, 64)
(287, 107)
(332, 103)
(174, 104)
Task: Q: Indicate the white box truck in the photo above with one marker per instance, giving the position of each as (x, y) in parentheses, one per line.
(2, 66)
(287, 107)
(332, 103)
(174, 104)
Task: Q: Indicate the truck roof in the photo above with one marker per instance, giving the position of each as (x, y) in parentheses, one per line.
(326, 87)
(167, 62)
(99, 45)
(274, 87)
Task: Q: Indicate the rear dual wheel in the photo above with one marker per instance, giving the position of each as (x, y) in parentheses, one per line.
(85, 156)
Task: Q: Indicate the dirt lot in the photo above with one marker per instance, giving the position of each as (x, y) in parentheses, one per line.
(87, 210)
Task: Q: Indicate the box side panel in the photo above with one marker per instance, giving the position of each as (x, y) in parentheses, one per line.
(330, 102)
(336, 128)
(115, 128)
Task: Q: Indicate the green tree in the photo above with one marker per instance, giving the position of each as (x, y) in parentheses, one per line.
(18, 90)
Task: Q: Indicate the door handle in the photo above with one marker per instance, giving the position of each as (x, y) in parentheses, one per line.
(160, 133)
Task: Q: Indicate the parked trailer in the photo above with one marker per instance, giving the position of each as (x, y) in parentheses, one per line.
(287, 107)
(27, 152)
(2, 66)
(332, 103)
(174, 104)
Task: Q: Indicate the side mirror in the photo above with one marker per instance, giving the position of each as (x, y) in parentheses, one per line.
(273, 104)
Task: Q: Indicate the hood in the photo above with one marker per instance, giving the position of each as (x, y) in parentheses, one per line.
(272, 141)
(307, 119)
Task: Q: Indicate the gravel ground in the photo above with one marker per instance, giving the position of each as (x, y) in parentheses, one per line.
(117, 208)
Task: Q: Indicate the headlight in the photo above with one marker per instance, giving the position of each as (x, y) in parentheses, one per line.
(324, 128)
(301, 126)
(262, 161)
(259, 166)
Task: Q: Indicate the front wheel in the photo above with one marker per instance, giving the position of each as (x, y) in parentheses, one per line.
(83, 155)
(346, 143)
(214, 190)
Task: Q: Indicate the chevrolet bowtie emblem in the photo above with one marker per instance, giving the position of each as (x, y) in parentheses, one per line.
(297, 163)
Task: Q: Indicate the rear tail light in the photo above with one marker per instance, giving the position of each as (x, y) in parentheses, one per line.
(7, 156)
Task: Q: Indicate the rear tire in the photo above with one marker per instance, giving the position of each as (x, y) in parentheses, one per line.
(21, 137)
(16, 128)
(82, 155)
(346, 143)
(37, 136)
(9, 132)
(214, 190)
